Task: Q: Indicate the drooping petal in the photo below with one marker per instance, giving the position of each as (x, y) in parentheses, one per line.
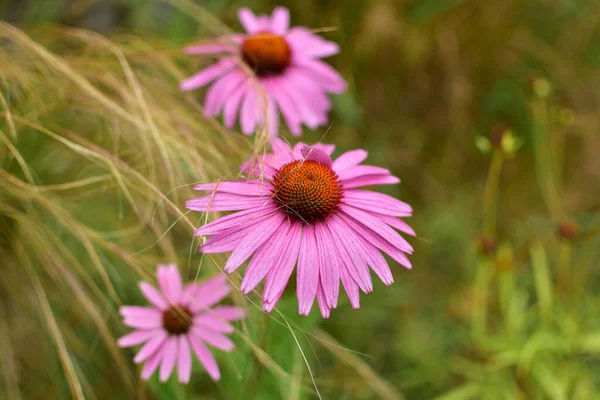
(266, 258)
(232, 104)
(348, 247)
(152, 363)
(214, 339)
(323, 74)
(220, 91)
(249, 188)
(285, 104)
(229, 313)
(248, 245)
(277, 278)
(170, 355)
(137, 312)
(184, 360)
(350, 286)
(377, 203)
(151, 347)
(322, 300)
(280, 146)
(379, 228)
(207, 75)
(216, 202)
(205, 357)
(212, 321)
(398, 224)
(239, 219)
(137, 337)
(370, 180)
(208, 48)
(153, 295)
(280, 20)
(308, 271)
(248, 115)
(329, 265)
(306, 44)
(224, 241)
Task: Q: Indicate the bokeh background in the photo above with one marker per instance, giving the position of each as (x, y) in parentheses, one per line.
(487, 110)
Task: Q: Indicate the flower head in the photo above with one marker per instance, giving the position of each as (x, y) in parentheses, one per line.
(301, 209)
(272, 68)
(178, 321)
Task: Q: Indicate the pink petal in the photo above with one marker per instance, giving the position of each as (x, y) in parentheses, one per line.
(248, 115)
(280, 20)
(207, 75)
(269, 306)
(277, 278)
(369, 180)
(247, 188)
(302, 100)
(379, 228)
(279, 145)
(213, 322)
(169, 281)
(248, 20)
(184, 361)
(248, 245)
(314, 154)
(308, 271)
(325, 148)
(265, 259)
(205, 357)
(137, 312)
(215, 339)
(229, 313)
(200, 296)
(322, 300)
(348, 247)
(329, 263)
(208, 48)
(285, 104)
(143, 322)
(220, 91)
(398, 224)
(152, 364)
(362, 170)
(151, 347)
(272, 124)
(371, 255)
(137, 337)
(323, 74)
(223, 242)
(306, 44)
(378, 242)
(349, 159)
(170, 356)
(240, 219)
(153, 295)
(351, 287)
(374, 202)
(232, 104)
(216, 202)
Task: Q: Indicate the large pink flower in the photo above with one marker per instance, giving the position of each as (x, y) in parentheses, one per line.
(271, 69)
(179, 319)
(303, 209)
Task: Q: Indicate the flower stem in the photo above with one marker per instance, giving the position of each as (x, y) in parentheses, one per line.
(490, 199)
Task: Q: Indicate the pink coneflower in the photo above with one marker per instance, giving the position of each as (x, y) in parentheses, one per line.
(270, 69)
(303, 209)
(180, 319)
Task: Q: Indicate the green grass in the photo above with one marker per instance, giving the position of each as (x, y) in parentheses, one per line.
(99, 150)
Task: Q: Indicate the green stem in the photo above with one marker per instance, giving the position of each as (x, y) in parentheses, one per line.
(490, 199)
(543, 161)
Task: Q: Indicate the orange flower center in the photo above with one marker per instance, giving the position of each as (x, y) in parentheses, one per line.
(266, 53)
(177, 320)
(307, 190)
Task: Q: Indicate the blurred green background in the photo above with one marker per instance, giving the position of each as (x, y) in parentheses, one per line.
(487, 110)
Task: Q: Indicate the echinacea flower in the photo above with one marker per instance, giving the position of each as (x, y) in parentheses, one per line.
(180, 320)
(272, 68)
(299, 208)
